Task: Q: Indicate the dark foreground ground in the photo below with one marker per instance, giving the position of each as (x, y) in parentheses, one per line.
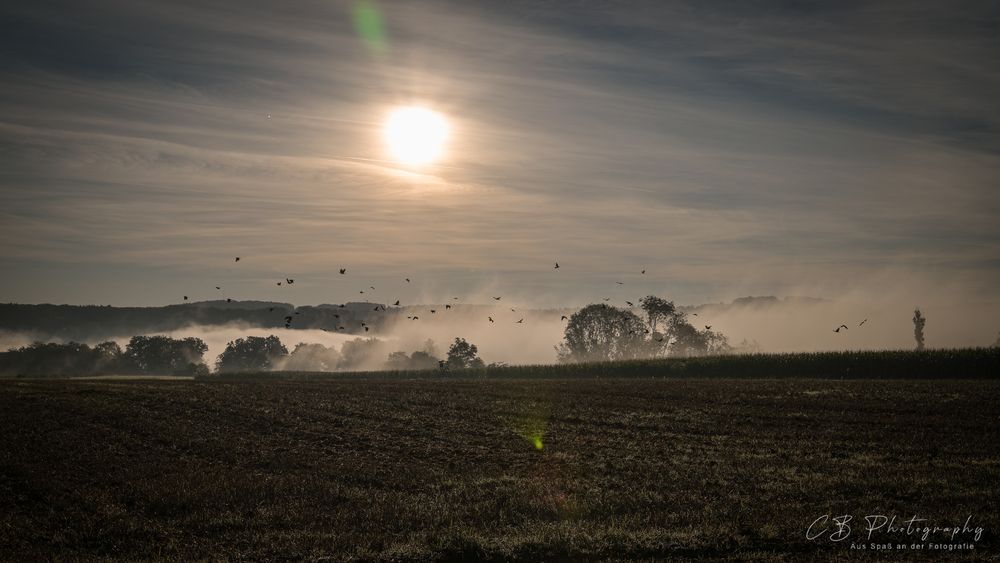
(452, 469)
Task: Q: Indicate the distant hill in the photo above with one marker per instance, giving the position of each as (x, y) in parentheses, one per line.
(99, 322)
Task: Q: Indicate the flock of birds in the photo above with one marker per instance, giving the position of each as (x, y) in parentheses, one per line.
(343, 271)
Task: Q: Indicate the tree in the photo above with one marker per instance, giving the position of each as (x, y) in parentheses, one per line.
(253, 353)
(162, 355)
(419, 360)
(918, 328)
(362, 353)
(657, 311)
(601, 332)
(108, 357)
(462, 355)
(311, 357)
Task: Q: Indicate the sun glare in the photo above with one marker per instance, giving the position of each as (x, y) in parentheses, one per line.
(416, 135)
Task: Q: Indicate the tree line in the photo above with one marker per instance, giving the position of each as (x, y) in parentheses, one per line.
(162, 355)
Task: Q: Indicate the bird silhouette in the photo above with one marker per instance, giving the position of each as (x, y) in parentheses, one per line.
(695, 314)
(279, 283)
(228, 300)
(288, 319)
(863, 322)
(491, 319)
(289, 281)
(557, 266)
(434, 310)
(372, 286)
(455, 298)
(343, 270)
(366, 329)
(447, 306)
(340, 328)
(620, 283)
(237, 259)
(415, 317)
(362, 291)
(519, 322)
(708, 327)
(629, 303)
(217, 287)
(407, 280)
(512, 310)
(840, 327)
(496, 299)
(643, 272)
(564, 318)
(396, 303)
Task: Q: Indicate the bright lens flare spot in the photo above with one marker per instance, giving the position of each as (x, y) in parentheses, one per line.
(416, 135)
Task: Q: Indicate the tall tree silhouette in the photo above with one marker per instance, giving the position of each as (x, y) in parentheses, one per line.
(918, 328)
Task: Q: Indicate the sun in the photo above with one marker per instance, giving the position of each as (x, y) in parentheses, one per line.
(416, 135)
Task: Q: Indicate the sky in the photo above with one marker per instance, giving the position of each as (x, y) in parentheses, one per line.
(844, 150)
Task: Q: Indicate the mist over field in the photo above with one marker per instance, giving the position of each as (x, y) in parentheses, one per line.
(956, 317)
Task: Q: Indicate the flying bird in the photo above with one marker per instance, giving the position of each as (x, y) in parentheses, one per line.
(279, 283)
(415, 317)
(447, 306)
(490, 318)
(564, 318)
(840, 327)
(434, 310)
(496, 299)
(557, 266)
(396, 303)
(372, 286)
(343, 270)
(228, 300)
(708, 327)
(863, 322)
(237, 259)
(519, 322)
(366, 329)
(289, 281)
(643, 272)
(512, 310)
(629, 303)
(407, 280)
(620, 283)
(288, 319)
(217, 287)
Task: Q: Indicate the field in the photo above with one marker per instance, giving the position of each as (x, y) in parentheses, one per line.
(459, 469)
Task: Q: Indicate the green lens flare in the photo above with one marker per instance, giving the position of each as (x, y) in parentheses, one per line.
(368, 24)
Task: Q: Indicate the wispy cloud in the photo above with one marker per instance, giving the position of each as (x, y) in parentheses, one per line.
(742, 146)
